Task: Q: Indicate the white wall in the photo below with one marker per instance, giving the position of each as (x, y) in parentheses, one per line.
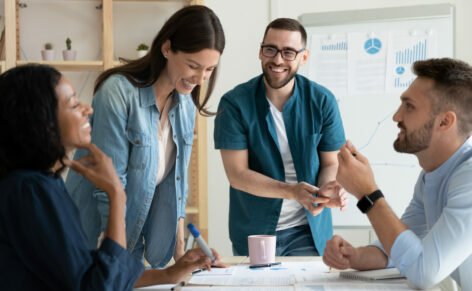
(244, 22)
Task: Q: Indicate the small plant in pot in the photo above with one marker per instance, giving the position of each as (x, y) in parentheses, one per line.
(69, 54)
(142, 50)
(48, 53)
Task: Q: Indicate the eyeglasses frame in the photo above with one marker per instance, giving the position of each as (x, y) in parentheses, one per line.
(280, 51)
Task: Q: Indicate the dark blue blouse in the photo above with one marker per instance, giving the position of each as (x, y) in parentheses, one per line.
(43, 245)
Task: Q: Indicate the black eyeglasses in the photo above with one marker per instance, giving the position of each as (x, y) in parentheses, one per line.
(271, 51)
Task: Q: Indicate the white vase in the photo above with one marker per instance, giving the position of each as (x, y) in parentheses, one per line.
(47, 55)
(141, 53)
(69, 55)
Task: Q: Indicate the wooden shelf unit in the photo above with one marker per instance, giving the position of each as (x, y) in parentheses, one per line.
(197, 209)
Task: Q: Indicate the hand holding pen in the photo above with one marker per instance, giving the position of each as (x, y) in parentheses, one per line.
(210, 253)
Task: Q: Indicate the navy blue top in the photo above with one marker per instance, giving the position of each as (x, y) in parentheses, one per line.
(43, 245)
(313, 124)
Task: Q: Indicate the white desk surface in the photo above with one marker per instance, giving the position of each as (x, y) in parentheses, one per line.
(233, 260)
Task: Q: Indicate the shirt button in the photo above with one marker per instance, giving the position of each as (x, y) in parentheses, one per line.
(137, 141)
(172, 115)
(175, 136)
(180, 198)
(178, 178)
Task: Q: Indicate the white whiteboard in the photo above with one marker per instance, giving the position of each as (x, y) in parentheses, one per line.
(367, 118)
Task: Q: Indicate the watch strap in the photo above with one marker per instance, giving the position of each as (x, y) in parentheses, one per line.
(367, 202)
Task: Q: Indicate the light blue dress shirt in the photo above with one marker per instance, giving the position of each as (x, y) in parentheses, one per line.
(125, 127)
(439, 241)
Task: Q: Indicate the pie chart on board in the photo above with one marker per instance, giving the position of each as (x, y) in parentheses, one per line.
(372, 46)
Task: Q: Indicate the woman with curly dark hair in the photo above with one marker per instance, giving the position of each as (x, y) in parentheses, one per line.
(42, 242)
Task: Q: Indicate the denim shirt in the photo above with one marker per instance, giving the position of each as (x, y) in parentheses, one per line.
(125, 126)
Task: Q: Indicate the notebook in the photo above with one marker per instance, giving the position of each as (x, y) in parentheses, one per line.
(381, 274)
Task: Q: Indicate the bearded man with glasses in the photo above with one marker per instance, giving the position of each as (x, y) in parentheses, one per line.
(279, 135)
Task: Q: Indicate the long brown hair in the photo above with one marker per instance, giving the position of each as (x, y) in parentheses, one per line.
(191, 29)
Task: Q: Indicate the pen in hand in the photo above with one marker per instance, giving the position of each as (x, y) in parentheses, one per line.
(201, 242)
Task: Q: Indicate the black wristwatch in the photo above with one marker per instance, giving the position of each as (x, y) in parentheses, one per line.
(365, 203)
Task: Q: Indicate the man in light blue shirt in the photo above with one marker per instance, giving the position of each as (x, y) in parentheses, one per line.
(433, 239)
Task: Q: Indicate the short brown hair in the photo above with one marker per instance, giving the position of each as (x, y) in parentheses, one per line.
(287, 24)
(452, 88)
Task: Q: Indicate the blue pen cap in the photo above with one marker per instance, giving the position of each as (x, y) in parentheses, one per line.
(193, 230)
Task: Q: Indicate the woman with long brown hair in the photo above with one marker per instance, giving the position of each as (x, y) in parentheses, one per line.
(144, 120)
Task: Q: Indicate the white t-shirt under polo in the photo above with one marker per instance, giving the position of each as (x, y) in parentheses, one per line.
(292, 213)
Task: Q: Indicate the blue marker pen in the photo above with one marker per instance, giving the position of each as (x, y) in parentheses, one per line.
(201, 242)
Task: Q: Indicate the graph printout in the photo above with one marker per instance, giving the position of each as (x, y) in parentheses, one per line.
(367, 53)
(406, 47)
(328, 62)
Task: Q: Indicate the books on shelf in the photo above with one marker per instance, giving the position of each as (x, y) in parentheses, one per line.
(381, 274)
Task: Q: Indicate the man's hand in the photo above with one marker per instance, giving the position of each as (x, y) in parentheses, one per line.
(340, 254)
(354, 172)
(304, 194)
(336, 194)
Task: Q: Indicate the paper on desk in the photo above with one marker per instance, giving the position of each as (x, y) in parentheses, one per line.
(391, 286)
(310, 272)
(244, 276)
(215, 271)
(252, 288)
(157, 287)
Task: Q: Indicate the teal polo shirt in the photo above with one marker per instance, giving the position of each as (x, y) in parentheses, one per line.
(313, 124)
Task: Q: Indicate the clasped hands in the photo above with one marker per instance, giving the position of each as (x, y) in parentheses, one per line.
(354, 176)
(330, 195)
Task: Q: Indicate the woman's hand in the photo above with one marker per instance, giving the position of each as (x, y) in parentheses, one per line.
(98, 169)
(193, 259)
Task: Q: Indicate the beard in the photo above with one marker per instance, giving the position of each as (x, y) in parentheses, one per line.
(271, 82)
(415, 141)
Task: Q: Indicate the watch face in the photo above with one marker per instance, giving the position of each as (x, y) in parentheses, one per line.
(364, 204)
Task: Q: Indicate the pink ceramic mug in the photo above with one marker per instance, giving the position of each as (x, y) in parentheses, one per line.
(261, 249)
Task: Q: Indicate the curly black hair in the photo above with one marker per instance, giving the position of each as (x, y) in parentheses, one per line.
(30, 138)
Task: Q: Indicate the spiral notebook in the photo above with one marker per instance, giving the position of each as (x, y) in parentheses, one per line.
(381, 274)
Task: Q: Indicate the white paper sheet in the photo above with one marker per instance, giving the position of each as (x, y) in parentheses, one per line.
(244, 288)
(244, 276)
(367, 55)
(328, 62)
(160, 287)
(406, 47)
(352, 286)
(216, 272)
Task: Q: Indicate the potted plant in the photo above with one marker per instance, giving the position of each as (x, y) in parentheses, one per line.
(69, 54)
(48, 53)
(142, 50)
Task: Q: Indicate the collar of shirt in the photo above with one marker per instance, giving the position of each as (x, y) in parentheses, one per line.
(437, 175)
